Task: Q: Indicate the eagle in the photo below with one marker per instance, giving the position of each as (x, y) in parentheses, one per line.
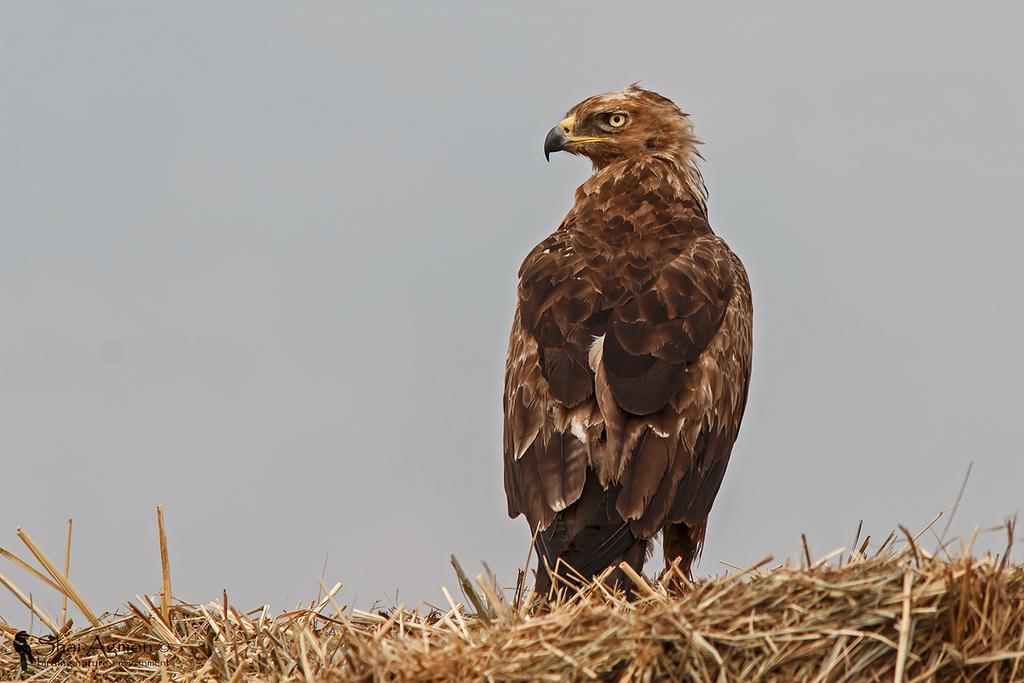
(630, 352)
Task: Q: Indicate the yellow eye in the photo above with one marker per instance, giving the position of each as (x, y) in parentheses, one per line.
(617, 120)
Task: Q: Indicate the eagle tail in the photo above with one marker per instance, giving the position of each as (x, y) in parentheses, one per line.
(585, 539)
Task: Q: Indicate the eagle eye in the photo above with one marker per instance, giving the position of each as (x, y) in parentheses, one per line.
(616, 120)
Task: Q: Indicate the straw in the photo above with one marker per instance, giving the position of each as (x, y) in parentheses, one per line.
(899, 614)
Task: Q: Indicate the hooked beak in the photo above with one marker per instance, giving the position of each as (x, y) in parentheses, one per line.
(555, 141)
(561, 138)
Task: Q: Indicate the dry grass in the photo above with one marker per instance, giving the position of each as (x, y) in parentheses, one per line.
(898, 613)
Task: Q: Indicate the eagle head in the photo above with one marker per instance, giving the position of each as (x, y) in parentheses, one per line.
(627, 123)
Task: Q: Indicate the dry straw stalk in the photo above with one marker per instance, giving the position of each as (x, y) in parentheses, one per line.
(897, 614)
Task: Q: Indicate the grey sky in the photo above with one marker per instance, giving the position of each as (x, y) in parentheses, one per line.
(257, 264)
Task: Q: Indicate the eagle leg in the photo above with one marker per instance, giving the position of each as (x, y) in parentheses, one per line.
(683, 544)
(585, 539)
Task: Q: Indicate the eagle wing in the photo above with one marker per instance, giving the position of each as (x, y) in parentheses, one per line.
(629, 360)
(671, 378)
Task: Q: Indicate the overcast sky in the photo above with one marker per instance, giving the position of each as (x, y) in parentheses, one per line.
(258, 264)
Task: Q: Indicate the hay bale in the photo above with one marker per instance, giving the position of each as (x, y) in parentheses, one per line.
(897, 614)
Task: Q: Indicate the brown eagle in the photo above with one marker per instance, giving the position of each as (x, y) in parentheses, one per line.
(629, 358)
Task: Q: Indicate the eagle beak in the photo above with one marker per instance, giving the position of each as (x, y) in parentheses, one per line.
(561, 136)
(555, 141)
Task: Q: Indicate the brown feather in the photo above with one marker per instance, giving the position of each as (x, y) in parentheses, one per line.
(643, 475)
(562, 464)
